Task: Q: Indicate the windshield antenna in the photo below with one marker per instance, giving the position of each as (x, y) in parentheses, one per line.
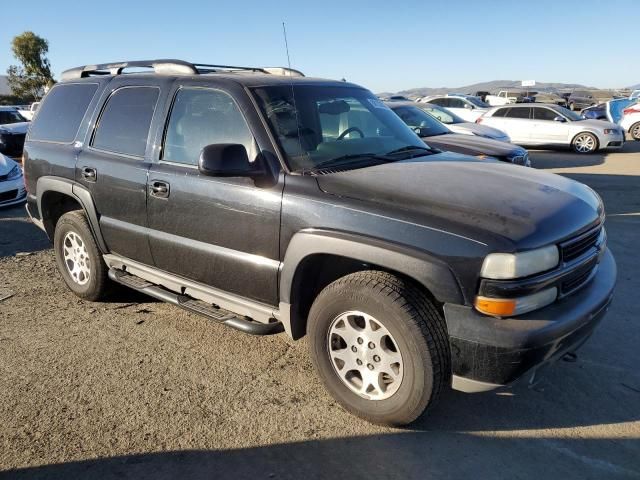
(293, 94)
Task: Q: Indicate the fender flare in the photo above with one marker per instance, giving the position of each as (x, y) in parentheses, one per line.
(77, 192)
(429, 271)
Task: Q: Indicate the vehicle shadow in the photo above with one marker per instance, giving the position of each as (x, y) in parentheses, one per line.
(392, 456)
(18, 234)
(565, 158)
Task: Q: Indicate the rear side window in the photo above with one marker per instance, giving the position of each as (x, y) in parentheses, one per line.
(518, 113)
(124, 124)
(501, 112)
(201, 117)
(61, 112)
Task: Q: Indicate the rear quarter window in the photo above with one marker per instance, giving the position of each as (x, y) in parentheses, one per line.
(61, 112)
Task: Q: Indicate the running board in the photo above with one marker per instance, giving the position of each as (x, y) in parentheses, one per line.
(213, 312)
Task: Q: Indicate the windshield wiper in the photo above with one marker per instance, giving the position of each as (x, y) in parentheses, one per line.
(410, 148)
(345, 160)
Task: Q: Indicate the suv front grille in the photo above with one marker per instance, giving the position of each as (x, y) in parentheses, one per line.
(578, 246)
(578, 278)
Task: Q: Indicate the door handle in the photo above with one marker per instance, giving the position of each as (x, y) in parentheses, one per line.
(159, 189)
(89, 174)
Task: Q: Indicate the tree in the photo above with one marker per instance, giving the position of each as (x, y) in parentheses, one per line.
(29, 79)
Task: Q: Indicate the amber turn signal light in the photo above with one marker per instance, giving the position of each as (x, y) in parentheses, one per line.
(496, 306)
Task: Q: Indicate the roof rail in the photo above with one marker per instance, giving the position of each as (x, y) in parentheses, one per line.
(169, 67)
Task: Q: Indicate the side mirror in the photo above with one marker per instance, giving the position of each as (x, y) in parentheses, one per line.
(559, 118)
(468, 106)
(421, 131)
(227, 160)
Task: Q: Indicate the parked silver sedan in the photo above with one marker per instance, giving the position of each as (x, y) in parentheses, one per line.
(552, 125)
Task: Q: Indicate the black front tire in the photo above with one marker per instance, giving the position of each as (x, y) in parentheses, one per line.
(417, 327)
(95, 285)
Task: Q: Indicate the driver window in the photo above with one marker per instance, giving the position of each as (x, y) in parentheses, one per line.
(456, 103)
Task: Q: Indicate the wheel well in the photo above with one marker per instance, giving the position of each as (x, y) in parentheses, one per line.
(319, 270)
(54, 205)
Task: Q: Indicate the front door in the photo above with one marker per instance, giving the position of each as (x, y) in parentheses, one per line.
(219, 231)
(546, 130)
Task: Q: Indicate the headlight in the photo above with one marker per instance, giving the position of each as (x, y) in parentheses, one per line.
(502, 266)
(503, 307)
(610, 131)
(16, 172)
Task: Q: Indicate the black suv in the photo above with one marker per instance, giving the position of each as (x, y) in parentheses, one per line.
(273, 202)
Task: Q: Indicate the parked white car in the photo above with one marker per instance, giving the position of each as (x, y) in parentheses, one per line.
(13, 129)
(29, 112)
(631, 120)
(552, 125)
(504, 97)
(468, 107)
(459, 125)
(12, 189)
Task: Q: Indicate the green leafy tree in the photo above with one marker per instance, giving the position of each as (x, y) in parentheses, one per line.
(29, 79)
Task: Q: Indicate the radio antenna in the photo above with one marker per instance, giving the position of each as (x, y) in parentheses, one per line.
(286, 46)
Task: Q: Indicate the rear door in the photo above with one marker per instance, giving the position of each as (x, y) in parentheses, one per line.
(545, 130)
(517, 124)
(220, 231)
(113, 164)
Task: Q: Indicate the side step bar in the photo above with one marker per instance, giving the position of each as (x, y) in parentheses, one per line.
(212, 312)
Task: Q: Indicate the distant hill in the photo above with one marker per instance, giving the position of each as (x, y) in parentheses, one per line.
(492, 86)
(634, 87)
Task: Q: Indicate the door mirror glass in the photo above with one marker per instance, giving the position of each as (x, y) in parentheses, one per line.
(559, 118)
(226, 160)
(468, 106)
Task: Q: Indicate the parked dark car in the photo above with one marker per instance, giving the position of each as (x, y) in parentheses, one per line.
(13, 129)
(579, 99)
(597, 112)
(436, 134)
(271, 202)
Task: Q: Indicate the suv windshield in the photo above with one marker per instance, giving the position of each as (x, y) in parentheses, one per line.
(445, 116)
(573, 116)
(420, 121)
(317, 126)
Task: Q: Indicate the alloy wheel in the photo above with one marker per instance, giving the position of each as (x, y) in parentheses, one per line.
(76, 258)
(365, 356)
(585, 143)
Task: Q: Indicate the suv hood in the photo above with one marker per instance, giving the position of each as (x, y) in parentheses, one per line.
(478, 199)
(18, 128)
(477, 129)
(473, 145)
(6, 165)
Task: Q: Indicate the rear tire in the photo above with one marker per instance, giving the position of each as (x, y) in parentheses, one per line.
(584, 143)
(635, 131)
(79, 260)
(393, 341)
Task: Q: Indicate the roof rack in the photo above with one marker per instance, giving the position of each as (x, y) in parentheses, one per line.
(170, 67)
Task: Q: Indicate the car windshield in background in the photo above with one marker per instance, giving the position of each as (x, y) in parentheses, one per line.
(445, 116)
(420, 121)
(320, 126)
(573, 116)
(477, 102)
(10, 116)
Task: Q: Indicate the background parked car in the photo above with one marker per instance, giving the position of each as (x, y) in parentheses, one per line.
(467, 107)
(13, 129)
(551, 125)
(631, 120)
(579, 99)
(459, 125)
(436, 134)
(12, 189)
(30, 111)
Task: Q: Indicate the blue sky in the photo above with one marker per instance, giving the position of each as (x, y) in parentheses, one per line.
(385, 46)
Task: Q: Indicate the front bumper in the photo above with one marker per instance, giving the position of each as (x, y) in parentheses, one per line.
(488, 352)
(12, 192)
(613, 140)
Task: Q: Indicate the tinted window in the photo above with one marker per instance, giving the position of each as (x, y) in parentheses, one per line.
(544, 114)
(61, 112)
(443, 102)
(456, 103)
(200, 118)
(417, 118)
(124, 124)
(10, 116)
(501, 112)
(518, 113)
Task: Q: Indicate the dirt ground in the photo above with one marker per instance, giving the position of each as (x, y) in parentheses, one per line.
(138, 389)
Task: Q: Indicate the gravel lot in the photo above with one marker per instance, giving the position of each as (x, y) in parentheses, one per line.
(139, 389)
